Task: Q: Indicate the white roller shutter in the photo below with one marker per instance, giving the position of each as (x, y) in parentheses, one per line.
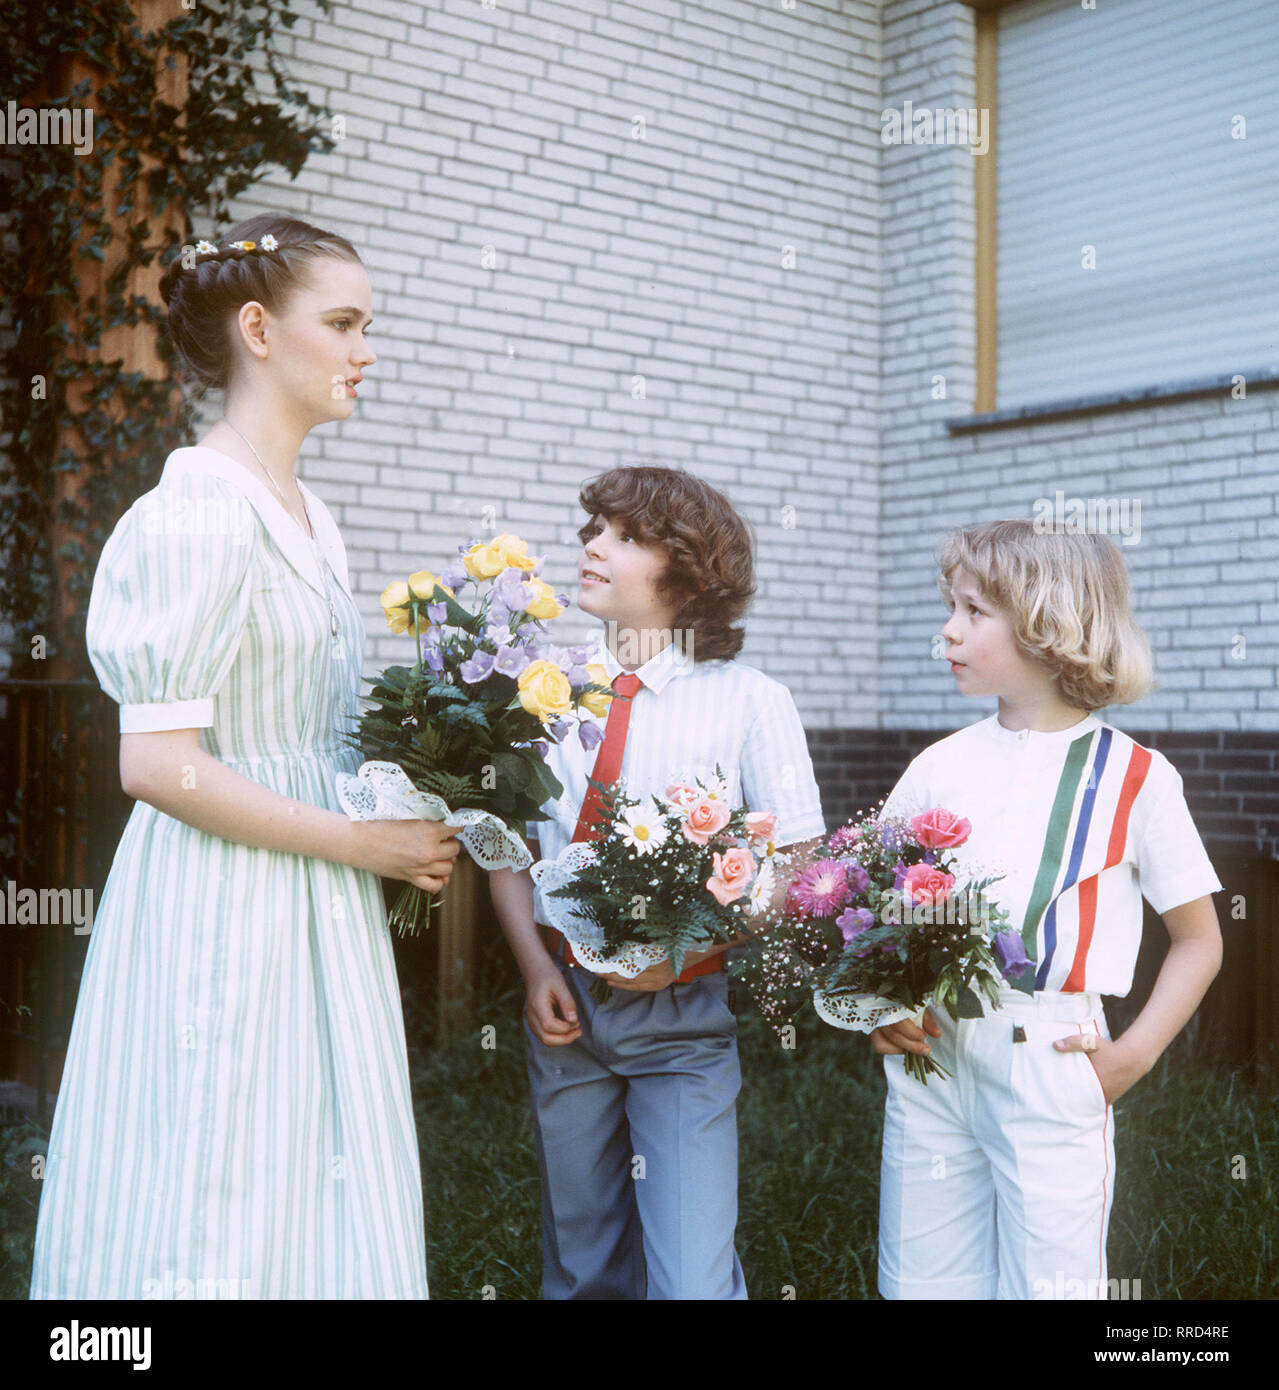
(1115, 132)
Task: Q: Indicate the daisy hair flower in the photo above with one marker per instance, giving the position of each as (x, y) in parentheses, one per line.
(820, 890)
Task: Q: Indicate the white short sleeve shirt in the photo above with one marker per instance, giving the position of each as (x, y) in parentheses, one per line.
(1082, 823)
(688, 718)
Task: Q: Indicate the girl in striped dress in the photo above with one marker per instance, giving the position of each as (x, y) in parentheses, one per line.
(234, 1118)
(998, 1181)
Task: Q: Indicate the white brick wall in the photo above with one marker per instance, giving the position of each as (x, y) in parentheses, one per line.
(617, 257)
(1207, 565)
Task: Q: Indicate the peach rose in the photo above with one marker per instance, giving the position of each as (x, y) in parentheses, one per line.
(927, 885)
(733, 873)
(705, 818)
(761, 825)
(681, 794)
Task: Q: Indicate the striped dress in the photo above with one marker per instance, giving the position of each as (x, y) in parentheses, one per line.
(234, 1119)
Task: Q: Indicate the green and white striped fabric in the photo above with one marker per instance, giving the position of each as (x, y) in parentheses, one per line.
(234, 1118)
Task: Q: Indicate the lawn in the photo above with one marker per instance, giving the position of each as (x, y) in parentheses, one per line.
(1195, 1202)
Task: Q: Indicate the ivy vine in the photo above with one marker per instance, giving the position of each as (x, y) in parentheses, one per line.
(66, 407)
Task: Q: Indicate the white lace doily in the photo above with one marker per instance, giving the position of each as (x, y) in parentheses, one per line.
(861, 1013)
(585, 937)
(383, 791)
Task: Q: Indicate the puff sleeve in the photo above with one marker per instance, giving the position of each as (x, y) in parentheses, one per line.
(170, 602)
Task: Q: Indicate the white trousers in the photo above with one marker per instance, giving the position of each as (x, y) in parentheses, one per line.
(997, 1181)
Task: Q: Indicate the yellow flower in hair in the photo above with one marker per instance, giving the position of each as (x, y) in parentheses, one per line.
(243, 245)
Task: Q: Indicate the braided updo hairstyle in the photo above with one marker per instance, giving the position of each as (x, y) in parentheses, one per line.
(203, 299)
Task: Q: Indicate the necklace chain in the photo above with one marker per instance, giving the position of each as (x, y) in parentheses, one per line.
(310, 529)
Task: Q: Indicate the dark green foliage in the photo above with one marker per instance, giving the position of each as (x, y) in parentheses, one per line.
(196, 160)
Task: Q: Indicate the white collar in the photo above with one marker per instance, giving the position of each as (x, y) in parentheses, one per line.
(1040, 738)
(656, 672)
(201, 459)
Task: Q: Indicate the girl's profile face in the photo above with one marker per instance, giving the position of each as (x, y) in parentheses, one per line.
(317, 348)
(982, 648)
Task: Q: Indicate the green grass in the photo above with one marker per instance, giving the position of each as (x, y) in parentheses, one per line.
(810, 1124)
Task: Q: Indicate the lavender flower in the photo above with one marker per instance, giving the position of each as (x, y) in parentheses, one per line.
(581, 655)
(589, 734)
(1010, 952)
(437, 612)
(858, 878)
(578, 676)
(542, 746)
(478, 668)
(454, 575)
(499, 634)
(511, 591)
(510, 661)
(853, 921)
(899, 874)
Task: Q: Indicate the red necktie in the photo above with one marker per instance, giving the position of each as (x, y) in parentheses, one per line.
(608, 761)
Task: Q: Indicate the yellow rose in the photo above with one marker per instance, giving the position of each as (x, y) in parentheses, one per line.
(543, 605)
(395, 604)
(515, 552)
(422, 585)
(593, 702)
(487, 559)
(545, 691)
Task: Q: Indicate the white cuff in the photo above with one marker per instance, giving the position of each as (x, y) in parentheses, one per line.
(157, 718)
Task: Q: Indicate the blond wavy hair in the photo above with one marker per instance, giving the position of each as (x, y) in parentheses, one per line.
(1067, 596)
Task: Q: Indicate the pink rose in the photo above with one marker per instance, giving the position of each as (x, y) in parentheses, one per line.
(733, 873)
(940, 829)
(705, 818)
(761, 825)
(927, 885)
(681, 794)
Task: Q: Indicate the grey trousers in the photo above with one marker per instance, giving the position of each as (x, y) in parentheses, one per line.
(636, 1126)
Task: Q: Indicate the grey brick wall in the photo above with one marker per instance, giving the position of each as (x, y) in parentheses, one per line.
(663, 257)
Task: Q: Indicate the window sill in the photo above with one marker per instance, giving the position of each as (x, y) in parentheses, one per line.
(1264, 378)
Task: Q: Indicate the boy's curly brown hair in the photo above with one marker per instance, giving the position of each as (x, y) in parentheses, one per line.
(710, 570)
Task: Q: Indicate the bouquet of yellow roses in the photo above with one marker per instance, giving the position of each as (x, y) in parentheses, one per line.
(461, 734)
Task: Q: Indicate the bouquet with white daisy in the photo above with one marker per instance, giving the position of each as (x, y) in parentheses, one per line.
(668, 875)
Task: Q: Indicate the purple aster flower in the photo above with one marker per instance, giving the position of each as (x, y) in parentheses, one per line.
(510, 661)
(478, 668)
(589, 734)
(1010, 952)
(844, 839)
(820, 889)
(853, 921)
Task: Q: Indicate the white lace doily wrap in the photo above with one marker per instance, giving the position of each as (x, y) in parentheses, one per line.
(383, 791)
(585, 937)
(862, 1013)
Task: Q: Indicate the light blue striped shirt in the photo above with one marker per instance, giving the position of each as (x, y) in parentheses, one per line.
(686, 719)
